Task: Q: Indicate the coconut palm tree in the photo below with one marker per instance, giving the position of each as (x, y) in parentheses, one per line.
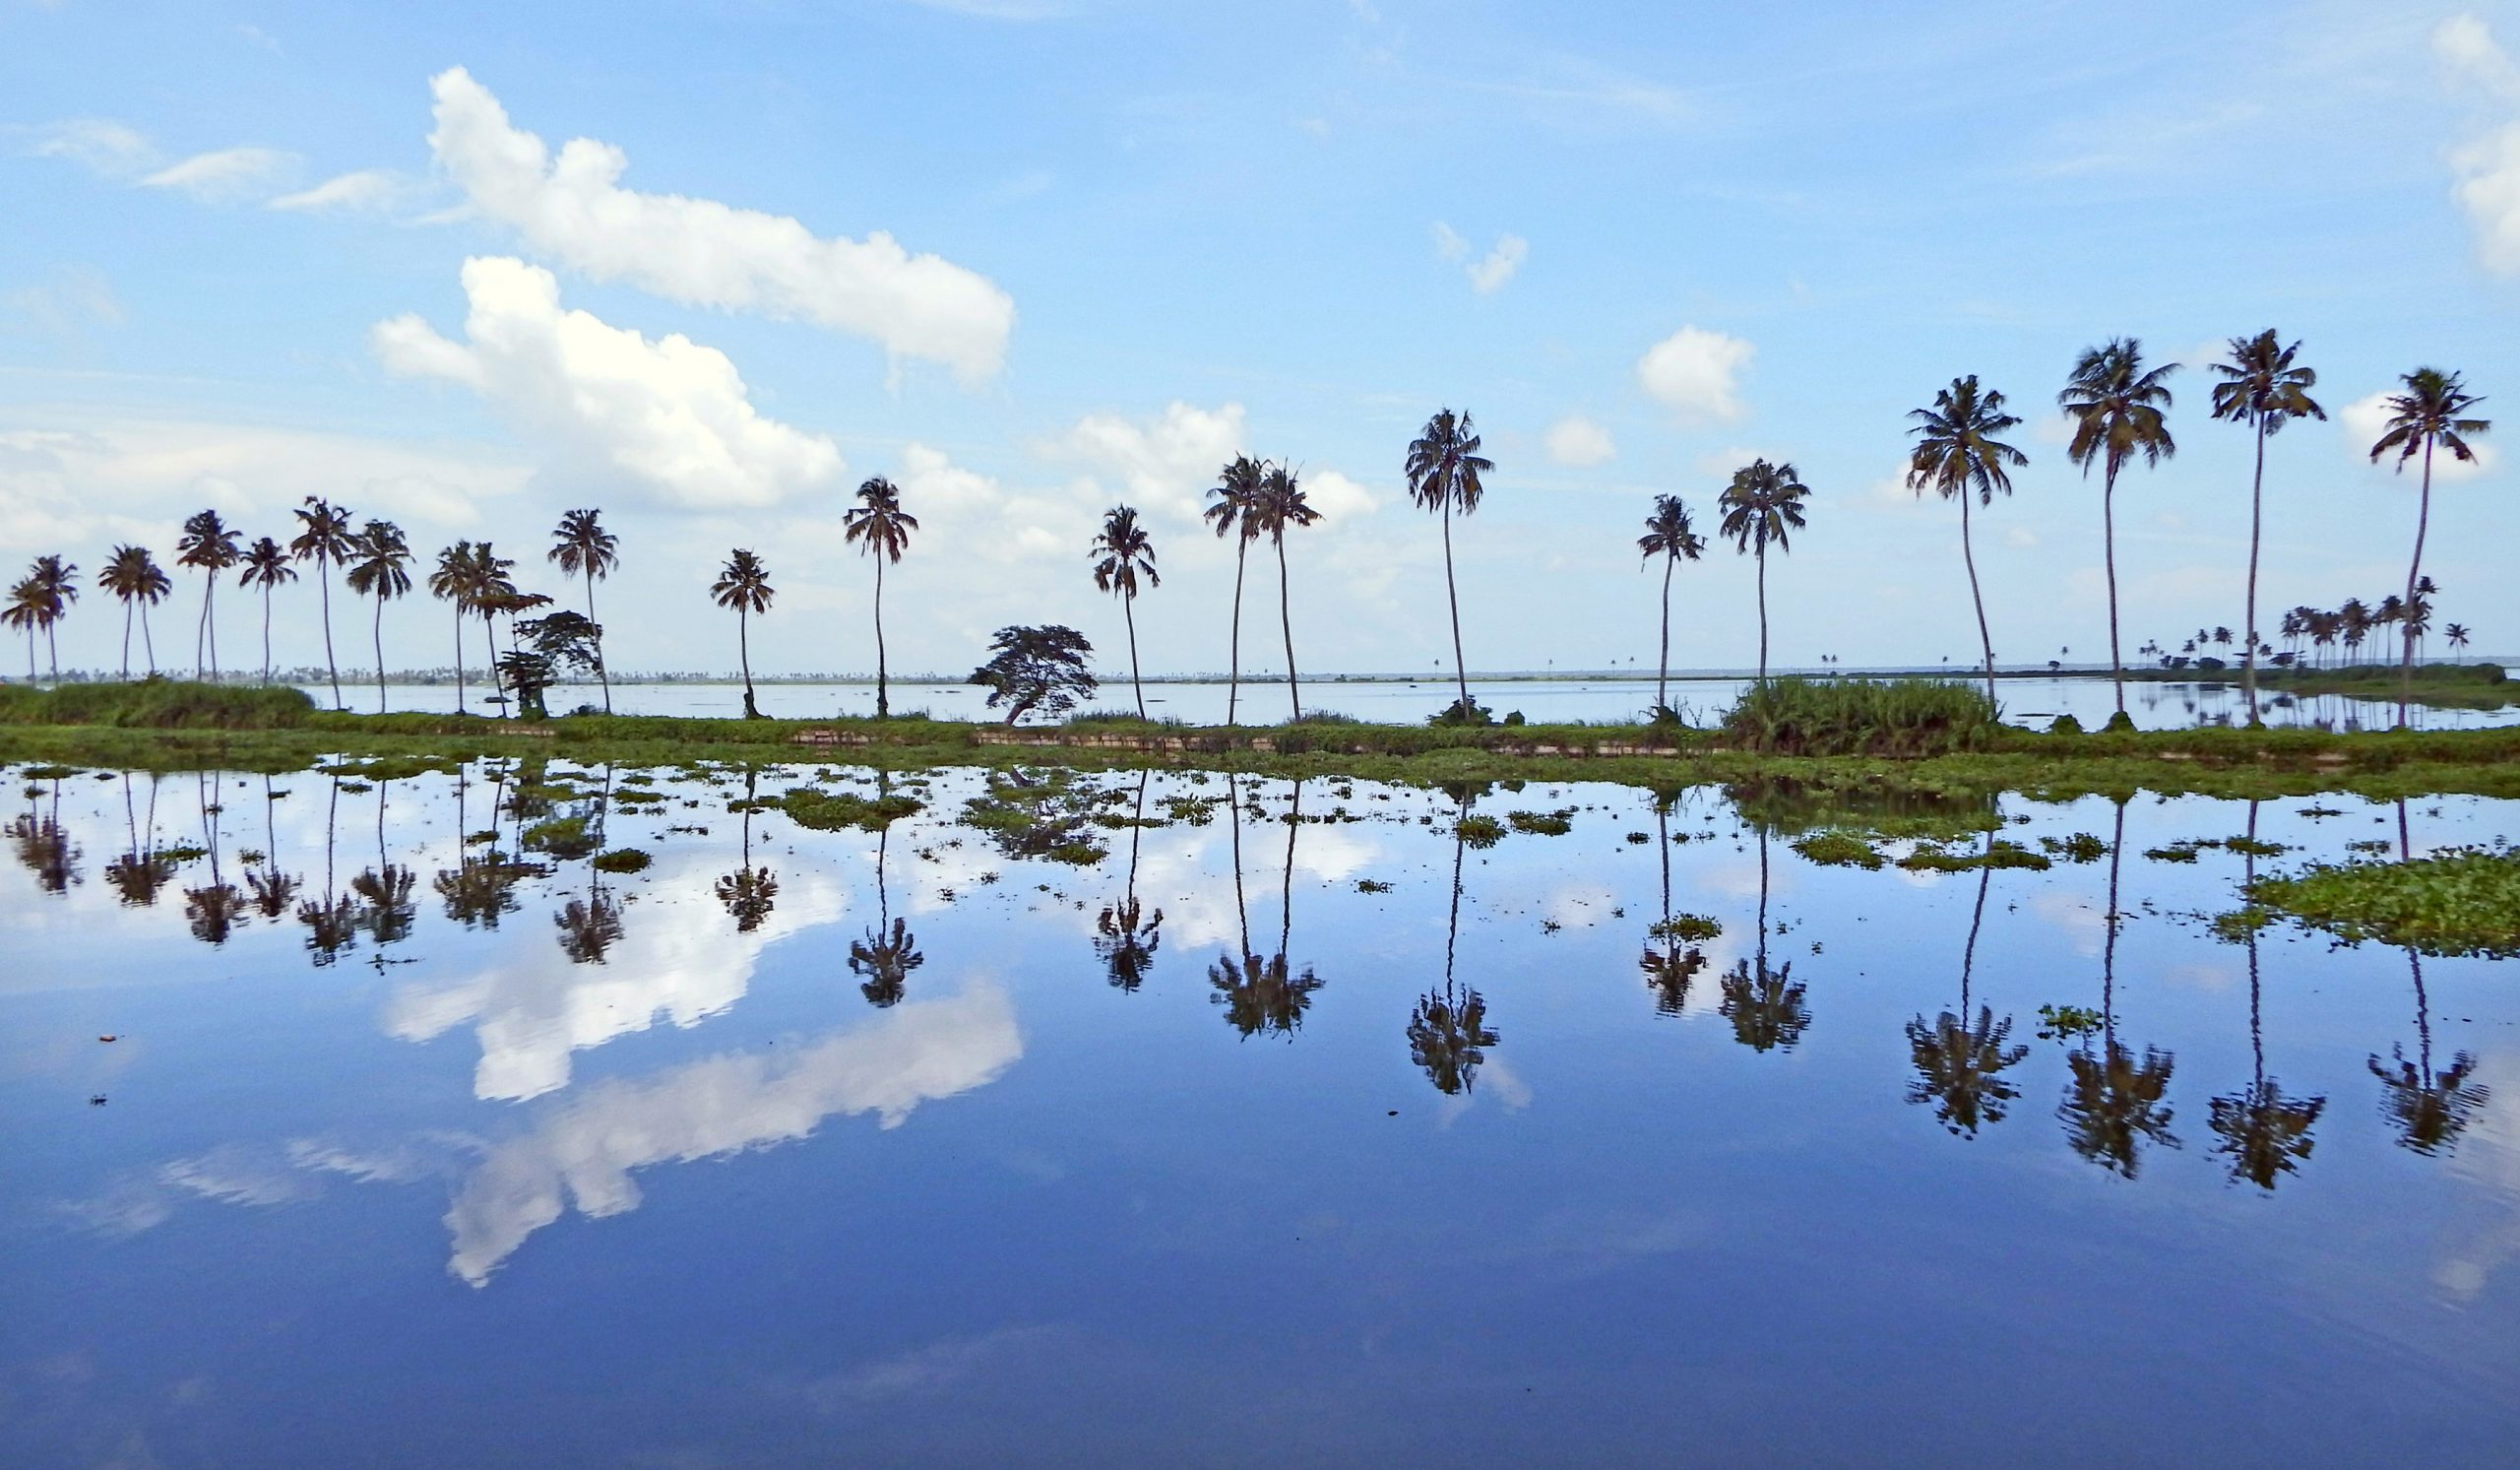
(208, 544)
(25, 612)
(266, 567)
(54, 586)
(2432, 414)
(881, 529)
(1233, 504)
(2457, 635)
(2120, 411)
(492, 593)
(133, 576)
(1668, 535)
(582, 548)
(325, 537)
(2264, 386)
(1957, 454)
(1762, 505)
(1126, 555)
(1282, 504)
(379, 564)
(452, 580)
(744, 584)
(1445, 475)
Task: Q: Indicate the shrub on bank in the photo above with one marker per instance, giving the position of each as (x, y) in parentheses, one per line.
(158, 704)
(1904, 718)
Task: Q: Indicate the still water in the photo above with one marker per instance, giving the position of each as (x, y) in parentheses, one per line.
(2029, 702)
(1044, 1137)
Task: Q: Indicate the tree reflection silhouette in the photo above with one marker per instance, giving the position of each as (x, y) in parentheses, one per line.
(1448, 1030)
(480, 890)
(2113, 1103)
(889, 952)
(213, 911)
(271, 888)
(2263, 1134)
(749, 893)
(385, 910)
(142, 870)
(1671, 970)
(1125, 936)
(1764, 1005)
(331, 921)
(42, 846)
(1263, 996)
(1960, 1062)
(2430, 1108)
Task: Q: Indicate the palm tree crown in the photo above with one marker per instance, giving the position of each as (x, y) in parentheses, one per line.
(1281, 504)
(1126, 554)
(1957, 452)
(1233, 509)
(744, 584)
(2263, 383)
(582, 548)
(1444, 470)
(2119, 410)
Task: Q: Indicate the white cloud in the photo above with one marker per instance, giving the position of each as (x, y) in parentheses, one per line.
(1488, 275)
(2489, 164)
(1163, 465)
(368, 189)
(99, 143)
(74, 298)
(706, 253)
(605, 402)
(1695, 373)
(1578, 441)
(1449, 245)
(2367, 418)
(226, 174)
(1338, 497)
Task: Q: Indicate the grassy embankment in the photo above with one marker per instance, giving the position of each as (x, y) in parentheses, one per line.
(1841, 735)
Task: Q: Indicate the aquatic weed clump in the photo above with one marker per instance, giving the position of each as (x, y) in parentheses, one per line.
(1839, 849)
(2002, 852)
(1899, 717)
(835, 812)
(622, 861)
(2462, 900)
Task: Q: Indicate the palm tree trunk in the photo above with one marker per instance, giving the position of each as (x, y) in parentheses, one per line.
(2413, 570)
(1234, 640)
(52, 649)
(883, 694)
(490, 646)
(148, 643)
(380, 664)
(1461, 671)
(458, 659)
(604, 671)
(2256, 522)
(126, 640)
(1128, 612)
(1763, 612)
(201, 628)
(2108, 559)
(744, 646)
(267, 633)
(1969, 559)
(1663, 669)
(1286, 624)
(1287, 882)
(331, 667)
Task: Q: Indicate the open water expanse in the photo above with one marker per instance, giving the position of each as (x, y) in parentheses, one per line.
(2033, 702)
(360, 1122)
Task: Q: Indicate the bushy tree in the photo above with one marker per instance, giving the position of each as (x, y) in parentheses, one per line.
(1037, 668)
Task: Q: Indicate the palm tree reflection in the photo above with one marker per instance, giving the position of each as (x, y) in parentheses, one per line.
(386, 909)
(42, 846)
(2429, 1109)
(142, 870)
(331, 921)
(213, 911)
(1764, 1005)
(1959, 1061)
(1125, 936)
(480, 890)
(1671, 970)
(1448, 1030)
(2263, 1133)
(749, 893)
(271, 888)
(1263, 996)
(889, 952)
(2113, 1103)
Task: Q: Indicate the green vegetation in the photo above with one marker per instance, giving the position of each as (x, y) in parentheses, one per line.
(1898, 717)
(1544, 823)
(1685, 929)
(156, 704)
(1479, 830)
(2081, 846)
(2460, 902)
(1839, 849)
(833, 811)
(622, 859)
(1933, 857)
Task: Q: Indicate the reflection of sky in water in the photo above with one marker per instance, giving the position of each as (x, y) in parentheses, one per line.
(721, 1210)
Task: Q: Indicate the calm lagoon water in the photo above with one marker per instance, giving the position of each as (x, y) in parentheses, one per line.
(2033, 702)
(1225, 1141)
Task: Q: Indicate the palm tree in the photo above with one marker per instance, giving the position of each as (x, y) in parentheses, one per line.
(2457, 633)
(492, 591)
(2265, 387)
(2432, 413)
(133, 576)
(2119, 410)
(1444, 470)
(206, 543)
(452, 581)
(1668, 535)
(266, 567)
(25, 611)
(744, 584)
(1282, 504)
(325, 537)
(379, 561)
(881, 529)
(1763, 504)
(1126, 555)
(1957, 452)
(582, 548)
(1234, 507)
(55, 587)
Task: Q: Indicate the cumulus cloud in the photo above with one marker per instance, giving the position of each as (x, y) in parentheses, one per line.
(226, 174)
(606, 404)
(2367, 418)
(1338, 497)
(699, 251)
(364, 189)
(1695, 373)
(1164, 463)
(1578, 441)
(1489, 273)
(2488, 165)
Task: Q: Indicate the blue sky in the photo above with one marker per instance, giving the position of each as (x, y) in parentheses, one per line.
(1640, 245)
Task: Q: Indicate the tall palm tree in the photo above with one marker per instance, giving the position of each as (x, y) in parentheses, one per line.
(1957, 452)
(56, 587)
(25, 612)
(266, 567)
(452, 580)
(744, 584)
(1282, 504)
(379, 567)
(1233, 508)
(1445, 470)
(582, 548)
(1668, 535)
(2457, 635)
(1126, 557)
(1762, 505)
(881, 529)
(2120, 411)
(2265, 386)
(208, 544)
(133, 576)
(2432, 413)
(326, 537)
(492, 593)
